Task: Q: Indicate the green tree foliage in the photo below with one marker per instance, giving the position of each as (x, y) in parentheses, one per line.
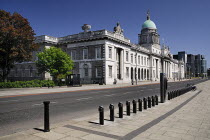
(16, 41)
(54, 61)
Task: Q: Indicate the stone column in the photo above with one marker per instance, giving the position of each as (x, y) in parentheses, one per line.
(122, 71)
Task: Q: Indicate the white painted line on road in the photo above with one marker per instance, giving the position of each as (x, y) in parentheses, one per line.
(43, 104)
(84, 98)
(53, 102)
(126, 92)
(141, 90)
(37, 104)
(110, 95)
(9, 101)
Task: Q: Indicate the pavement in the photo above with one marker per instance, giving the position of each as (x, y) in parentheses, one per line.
(186, 117)
(13, 92)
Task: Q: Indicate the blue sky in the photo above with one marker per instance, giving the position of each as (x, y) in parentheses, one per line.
(184, 24)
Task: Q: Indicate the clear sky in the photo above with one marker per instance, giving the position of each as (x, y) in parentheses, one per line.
(184, 24)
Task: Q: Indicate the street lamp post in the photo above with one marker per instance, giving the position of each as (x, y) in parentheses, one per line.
(136, 67)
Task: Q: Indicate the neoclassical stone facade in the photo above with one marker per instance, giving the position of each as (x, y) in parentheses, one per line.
(110, 56)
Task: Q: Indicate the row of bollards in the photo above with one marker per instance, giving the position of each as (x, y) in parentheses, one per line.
(176, 93)
(146, 103)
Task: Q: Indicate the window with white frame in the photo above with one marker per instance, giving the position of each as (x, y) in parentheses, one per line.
(110, 71)
(85, 53)
(98, 72)
(110, 52)
(127, 56)
(138, 59)
(73, 54)
(145, 61)
(131, 58)
(98, 52)
(127, 71)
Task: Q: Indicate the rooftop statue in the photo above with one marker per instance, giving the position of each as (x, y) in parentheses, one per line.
(118, 29)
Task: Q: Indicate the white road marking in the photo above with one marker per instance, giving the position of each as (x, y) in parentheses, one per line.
(110, 95)
(141, 90)
(126, 92)
(9, 101)
(37, 104)
(43, 104)
(84, 98)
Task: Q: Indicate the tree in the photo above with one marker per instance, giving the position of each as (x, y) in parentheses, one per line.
(16, 41)
(54, 61)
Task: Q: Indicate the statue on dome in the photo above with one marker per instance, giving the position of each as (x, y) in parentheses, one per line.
(118, 29)
(148, 15)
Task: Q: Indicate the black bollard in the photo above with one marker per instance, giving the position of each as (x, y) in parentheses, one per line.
(145, 103)
(134, 106)
(140, 104)
(46, 116)
(153, 101)
(156, 100)
(149, 102)
(169, 97)
(120, 105)
(174, 94)
(111, 107)
(128, 108)
(101, 115)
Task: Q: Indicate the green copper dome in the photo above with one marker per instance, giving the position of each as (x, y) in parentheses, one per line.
(149, 24)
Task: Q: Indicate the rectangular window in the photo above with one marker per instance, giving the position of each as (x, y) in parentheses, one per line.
(127, 71)
(131, 58)
(86, 71)
(98, 52)
(73, 54)
(110, 71)
(98, 72)
(85, 53)
(110, 52)
(127, 56)
(135, 60)
(145, 61)
(142, 60)
(138, 59)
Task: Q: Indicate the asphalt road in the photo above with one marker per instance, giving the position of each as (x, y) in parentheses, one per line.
(26, 112)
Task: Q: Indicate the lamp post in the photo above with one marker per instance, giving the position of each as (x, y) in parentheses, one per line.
(136, 68)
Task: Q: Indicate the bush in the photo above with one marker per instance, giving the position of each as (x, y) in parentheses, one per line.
(27, 84)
